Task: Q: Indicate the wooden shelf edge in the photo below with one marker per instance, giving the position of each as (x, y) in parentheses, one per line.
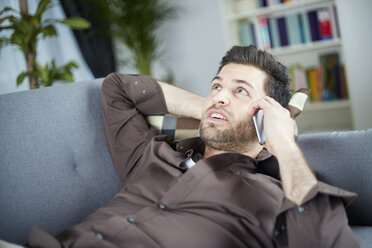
(300, 48)
(324, 106)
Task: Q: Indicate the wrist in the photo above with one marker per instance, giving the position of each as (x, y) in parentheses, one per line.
(284, 148)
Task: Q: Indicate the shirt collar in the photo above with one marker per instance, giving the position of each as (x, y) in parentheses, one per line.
(193, 148)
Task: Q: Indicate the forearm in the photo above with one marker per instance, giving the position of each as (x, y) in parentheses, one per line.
(296, 175)
(181, 102)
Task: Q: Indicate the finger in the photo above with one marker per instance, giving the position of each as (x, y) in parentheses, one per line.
(272, 101)
(257, 105)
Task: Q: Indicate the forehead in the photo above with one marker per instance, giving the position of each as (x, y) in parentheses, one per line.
(243, 72)
(232, 73)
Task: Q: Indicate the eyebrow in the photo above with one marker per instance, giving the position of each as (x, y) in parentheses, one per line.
(239, 81)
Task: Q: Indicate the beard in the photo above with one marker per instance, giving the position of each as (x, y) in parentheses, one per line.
(236, 138)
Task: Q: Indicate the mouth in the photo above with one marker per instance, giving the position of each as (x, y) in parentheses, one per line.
(217, 116)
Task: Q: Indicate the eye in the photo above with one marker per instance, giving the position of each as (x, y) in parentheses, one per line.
(242, 91)
(216, 87)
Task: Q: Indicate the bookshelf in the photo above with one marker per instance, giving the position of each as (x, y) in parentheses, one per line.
(334, 114)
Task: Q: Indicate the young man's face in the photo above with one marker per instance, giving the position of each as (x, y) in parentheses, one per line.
(225, 123)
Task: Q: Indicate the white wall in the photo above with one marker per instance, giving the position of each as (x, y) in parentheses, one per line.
(196, 44)
(355, 23)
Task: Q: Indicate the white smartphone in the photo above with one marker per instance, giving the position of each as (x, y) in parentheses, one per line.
(258, 124)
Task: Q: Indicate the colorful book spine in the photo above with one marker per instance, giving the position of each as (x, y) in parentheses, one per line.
(324, 20)
(294, 29)
(305, 27)
(245, 34)
(333, 75)
(334, 22)
(344, 94)
(312, 80)
(253, 32)
(299, 76)
(264, 31)
(262, 3)
(283, 35)
(314, 25)
(274, 33)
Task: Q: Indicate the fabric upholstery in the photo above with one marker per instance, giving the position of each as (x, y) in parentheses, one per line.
(344, 159)
(55, 168)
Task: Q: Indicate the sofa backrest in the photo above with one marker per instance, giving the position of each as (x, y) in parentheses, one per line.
(55, 168)
(344, 159)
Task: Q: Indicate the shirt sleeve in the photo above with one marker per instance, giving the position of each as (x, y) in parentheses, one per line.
(320, 222)
(125, 101)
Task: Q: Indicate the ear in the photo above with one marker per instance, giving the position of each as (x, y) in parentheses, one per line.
(296, 104)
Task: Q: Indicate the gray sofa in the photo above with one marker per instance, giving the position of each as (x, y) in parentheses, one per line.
(55, 168)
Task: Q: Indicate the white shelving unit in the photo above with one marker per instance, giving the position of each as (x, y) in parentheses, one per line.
(320, 116)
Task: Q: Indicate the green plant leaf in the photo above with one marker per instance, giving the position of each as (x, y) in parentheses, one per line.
(5, 10)
(76, 22)
(21, 77)
(4, 19)
(48, 31)
(43, 4)
(67, 76)
(3, 42)
(70, 65)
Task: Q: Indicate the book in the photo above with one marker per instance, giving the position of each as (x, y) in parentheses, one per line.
(283, 35)
(299, 76)
(312, 75)
(324, 20)
(314, 25)
(264, 31)
(245, 34)
(270, 2)
(274, 32)
(293, 29)
(262, 3)
(329, 66)
(305, 28)
(253, 32)
(334, 22)
(344, 94)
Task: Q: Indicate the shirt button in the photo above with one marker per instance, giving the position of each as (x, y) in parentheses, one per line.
(99, 236)
(189, 153)
(277, 232)
(136, 82)
(144, 91)
(301, 209)
(161, 207)
(131, 220)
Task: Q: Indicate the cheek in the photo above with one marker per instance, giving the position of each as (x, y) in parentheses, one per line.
(207, 104)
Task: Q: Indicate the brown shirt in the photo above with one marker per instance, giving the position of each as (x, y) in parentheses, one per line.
(228, 200)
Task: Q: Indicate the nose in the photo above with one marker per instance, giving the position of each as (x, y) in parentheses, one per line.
(221, 98)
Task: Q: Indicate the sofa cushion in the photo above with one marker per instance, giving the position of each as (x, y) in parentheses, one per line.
(54, 162)
(343, 159)
(363, 235)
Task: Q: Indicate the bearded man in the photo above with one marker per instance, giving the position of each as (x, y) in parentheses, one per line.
(222, 189)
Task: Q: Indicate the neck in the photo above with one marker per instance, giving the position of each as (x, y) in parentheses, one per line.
(252, 152)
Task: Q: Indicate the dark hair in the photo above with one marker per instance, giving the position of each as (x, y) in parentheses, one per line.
(277, 83)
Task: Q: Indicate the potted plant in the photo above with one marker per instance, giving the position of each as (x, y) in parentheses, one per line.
(136, 24)
(27, 30)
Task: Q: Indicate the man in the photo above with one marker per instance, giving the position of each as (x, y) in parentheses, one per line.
(220, 190)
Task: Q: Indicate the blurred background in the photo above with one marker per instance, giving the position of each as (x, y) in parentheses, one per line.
(326, 45)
